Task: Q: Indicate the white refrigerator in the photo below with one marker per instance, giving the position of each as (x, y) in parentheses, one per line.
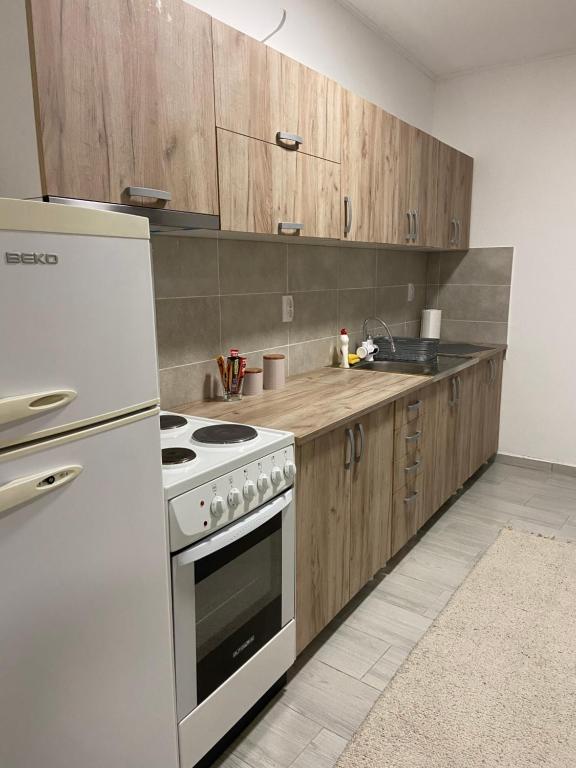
(86, 666)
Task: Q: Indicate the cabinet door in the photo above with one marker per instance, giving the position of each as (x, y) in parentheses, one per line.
(124, 96)
(322, 533)
(260, 92)
(263, 186)
(465, 406)
(369, 171)
(482, 376)
(371, 496)
(444, 472)
(418, 165)
(462, 198)
(492, 411)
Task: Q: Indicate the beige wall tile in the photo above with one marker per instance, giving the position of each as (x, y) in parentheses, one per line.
(356, 267)
(414, 308)
(315, 316)
(475, 333)
(248, 266)
(187, 330)
(184, 266)
(401, 267)
(355, 306)
(187, 383)
(390, 304)
(253, 322)
(412, 328)
(475, 302)
(478, 266)
(313, 354)
(312, 267)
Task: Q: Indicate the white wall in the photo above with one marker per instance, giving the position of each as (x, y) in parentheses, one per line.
(327, 37)
(519, 123)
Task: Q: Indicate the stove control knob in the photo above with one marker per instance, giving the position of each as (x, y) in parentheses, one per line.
(249, 490)
(289, 470)
(262, 482)
(276, 475)
(234, 498)
(217, 507)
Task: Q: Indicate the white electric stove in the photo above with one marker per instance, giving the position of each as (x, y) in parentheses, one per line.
(228, 490)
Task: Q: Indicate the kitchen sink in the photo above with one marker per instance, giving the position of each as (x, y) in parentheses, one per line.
(439, 365)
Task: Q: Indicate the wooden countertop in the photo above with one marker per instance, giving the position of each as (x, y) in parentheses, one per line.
(314, 403)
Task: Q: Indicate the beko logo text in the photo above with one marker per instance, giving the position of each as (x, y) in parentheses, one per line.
(13, 257)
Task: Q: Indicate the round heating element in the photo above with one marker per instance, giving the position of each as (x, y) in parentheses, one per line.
(172, 421)
(224, 434)
(171, 456)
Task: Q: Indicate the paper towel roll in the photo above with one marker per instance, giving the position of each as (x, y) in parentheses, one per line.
(430, 326)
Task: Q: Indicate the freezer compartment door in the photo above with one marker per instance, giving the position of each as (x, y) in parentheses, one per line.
(86, 668)
(78, 343)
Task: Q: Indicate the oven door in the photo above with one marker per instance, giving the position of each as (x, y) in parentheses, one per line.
(232, 593)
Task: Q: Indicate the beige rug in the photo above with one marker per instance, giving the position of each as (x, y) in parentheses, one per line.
(493, 681)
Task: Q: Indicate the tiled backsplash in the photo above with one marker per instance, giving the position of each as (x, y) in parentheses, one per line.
(473, 291)
(215, 293)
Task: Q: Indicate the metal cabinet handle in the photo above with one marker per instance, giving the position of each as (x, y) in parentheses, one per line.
(359, 428)
(350, 449)
(414, 406)
(413, 467)
(413, 496)
(453, 227)
(410, 235)
(32, 487)
(290, 226)
(156, 194)
(25, 406)
(413, 438)
(294, 140)
(452, 402)
(416, 225)
(458, 384)
(458, 232)
(347, 214)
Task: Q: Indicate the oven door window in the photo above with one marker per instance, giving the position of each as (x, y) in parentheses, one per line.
(238, 592)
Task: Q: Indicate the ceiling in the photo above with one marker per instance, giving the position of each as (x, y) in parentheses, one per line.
(448, 37)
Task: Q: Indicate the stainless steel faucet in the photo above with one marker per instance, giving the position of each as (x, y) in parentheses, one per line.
(383, 324)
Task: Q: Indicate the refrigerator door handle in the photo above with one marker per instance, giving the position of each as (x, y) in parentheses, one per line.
(29, 488)
(25, 406)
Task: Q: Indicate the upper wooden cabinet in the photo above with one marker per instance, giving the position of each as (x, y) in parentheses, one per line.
(124, 97)
(268, 190)
(263, 94)
(370, 171)
(417, 183)
(454, 198)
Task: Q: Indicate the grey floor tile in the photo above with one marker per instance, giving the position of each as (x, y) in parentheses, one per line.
(386, 667)
(412, 594)
(382, 619)
(351, 651)
(322, 752)
(334, 700)
(277, 738)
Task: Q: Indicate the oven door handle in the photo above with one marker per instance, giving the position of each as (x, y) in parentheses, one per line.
(234, 532)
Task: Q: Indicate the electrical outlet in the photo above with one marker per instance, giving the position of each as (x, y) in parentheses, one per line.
(410, 291)
(287, 309)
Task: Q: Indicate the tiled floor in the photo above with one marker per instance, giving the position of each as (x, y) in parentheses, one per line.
(339, 677)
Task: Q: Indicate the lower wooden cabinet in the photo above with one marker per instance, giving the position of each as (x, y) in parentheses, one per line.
(343, 501)
(269, 190)
(486, 415)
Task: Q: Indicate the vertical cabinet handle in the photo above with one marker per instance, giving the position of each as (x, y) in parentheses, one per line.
(457, 231)
(458, 385)
(359, 430)
(290, 226)
(349, 449)
(416, 225)
(452, 402)
(294, 141)
(453, 225)
(347, 214)
(155, 194)
(410, 235)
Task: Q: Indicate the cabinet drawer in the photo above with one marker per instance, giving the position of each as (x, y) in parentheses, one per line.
(408, 439)
(408, 410)
(407, 470)
(406, 514)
